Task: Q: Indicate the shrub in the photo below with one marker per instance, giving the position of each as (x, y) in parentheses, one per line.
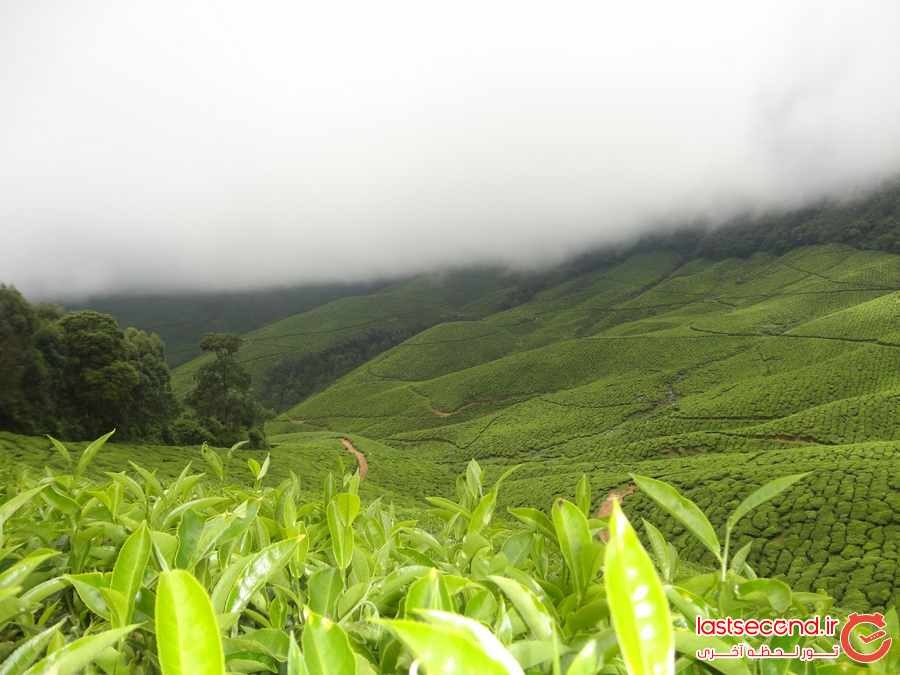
(131, 574)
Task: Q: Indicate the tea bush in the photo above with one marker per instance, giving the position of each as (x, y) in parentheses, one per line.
(225, 572)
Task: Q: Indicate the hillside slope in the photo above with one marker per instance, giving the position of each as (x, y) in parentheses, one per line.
(384, 317)
(713, 374)
(181, 319)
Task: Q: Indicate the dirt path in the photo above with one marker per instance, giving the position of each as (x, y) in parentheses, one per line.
(605, 509)
(360, 458)
(619, 493)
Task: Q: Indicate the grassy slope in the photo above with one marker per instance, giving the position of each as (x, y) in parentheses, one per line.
(181, 319)
(714, 374)
(413, 304)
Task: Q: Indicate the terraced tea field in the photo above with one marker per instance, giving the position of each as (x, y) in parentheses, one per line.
(712, 374)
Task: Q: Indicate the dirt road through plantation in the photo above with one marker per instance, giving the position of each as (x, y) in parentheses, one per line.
(360, 458)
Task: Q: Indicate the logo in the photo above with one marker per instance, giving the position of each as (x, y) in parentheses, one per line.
(855, 620)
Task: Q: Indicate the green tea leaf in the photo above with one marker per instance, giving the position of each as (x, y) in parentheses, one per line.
(257, 571)
(190, 530)
(90, 452)
(73, 657)
(187, 633)
(341, 512)
(447, 505)
(325, 586)
(128, 572)
(760, 496)
(10, 506)
(535, 519)
(89, 587)
(776, 593)
(429, 592)
(473, 479)
(532, 653)
(533, 612)
(637, 602)
(43, 590)
(295, 663)
(483, 513)
(662, 550)
(587, 661)
(215, 462)
(740, 558)
(450, 644)
(152, 486)
(18, 572)
(26, 653)
(682, 509)
(62, 450)
(326, 648)
(583, 495)
(265, 467)
(580, 550)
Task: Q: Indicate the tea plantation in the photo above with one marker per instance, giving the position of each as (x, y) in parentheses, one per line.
(241, 570)
(714, 375)
(501, 441)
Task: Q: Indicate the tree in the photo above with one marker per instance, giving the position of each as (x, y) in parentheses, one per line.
(24, 400)
(78, 375)
(99, 382)
(153, 401)
(224, 344)
(222, 398)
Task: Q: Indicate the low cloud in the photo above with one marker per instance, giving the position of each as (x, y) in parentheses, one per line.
(192, 145)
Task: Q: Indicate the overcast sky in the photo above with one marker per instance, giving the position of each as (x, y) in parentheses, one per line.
(188, 144)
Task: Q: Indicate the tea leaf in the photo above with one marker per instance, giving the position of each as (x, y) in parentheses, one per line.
(682, 509)
(760, 496)
(637, 602)
(579, 549)
(87, 456)
(326, 648)
(128, 572)
(73, 657)
(533, 612)
(187, 633)
(25, 654)
(450, 644)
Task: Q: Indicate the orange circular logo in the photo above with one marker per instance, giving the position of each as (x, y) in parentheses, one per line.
(875, 619)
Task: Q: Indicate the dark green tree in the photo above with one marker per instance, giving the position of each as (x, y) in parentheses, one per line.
(77, 375)
(25, 404)
(99, 381)
(154, 404)
(222, 398)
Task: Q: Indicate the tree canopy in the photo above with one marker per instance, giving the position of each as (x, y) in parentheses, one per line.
(223, 402)
(79, 374)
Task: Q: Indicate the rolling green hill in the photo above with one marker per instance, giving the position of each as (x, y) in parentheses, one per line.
(714, 375)
(388, 315)
(181, 319)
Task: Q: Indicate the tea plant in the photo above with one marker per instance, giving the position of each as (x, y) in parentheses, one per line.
(202, 575)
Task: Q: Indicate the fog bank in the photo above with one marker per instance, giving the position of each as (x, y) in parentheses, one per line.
(202, 145)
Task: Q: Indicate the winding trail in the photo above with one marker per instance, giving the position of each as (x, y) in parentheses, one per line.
(361, 460)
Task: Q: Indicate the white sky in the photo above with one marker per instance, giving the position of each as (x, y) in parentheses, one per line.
(189, 144)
